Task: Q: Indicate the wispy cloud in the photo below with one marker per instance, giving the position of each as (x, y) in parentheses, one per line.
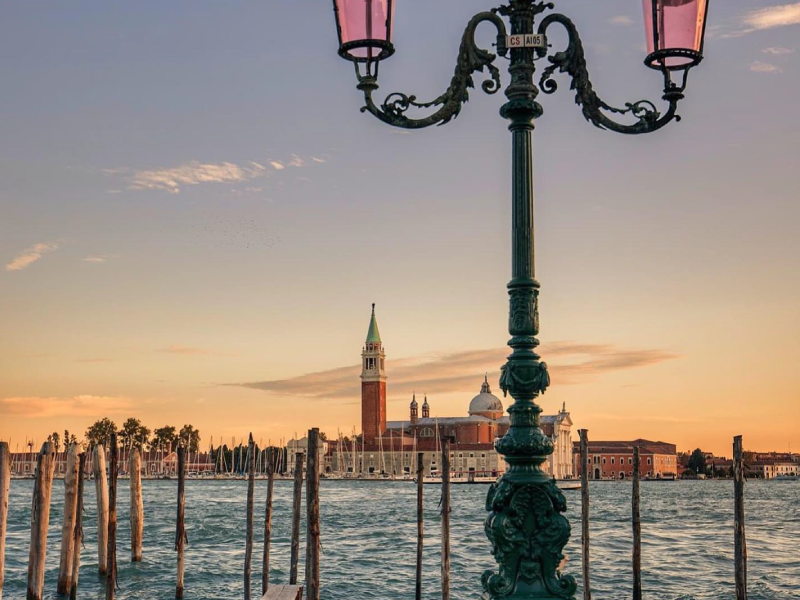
(30, 255)
(174, 179)
(622, 21)
(772, 16)
(778, 51)
(760, 19)
(763, 67)
(97, 259)
(189, 351)
(462, 371)
(92, 360)
(83, 406)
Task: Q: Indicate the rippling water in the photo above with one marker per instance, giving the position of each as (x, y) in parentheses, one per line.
(369, 540)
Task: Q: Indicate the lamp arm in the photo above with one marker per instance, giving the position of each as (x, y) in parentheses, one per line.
(471, 59)
(573, 62)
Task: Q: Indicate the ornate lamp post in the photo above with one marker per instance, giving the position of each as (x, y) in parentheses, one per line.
(525, 523)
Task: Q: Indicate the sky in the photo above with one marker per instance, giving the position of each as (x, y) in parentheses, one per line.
(195, 218)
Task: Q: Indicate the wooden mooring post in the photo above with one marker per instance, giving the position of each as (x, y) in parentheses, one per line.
(296, 504)
(111, 553)
(312, 516)
(77, 534)
(101, 493)
(68, 526)
(587, 589)
(740, 543)
(251, 487)
(445, 518)
(40, 520)
(137, 504)
(180, 527)
(5, 485)
(267, 522)
(637, 528)
(420, 528)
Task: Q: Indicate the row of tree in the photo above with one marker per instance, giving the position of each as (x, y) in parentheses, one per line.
(133, 434)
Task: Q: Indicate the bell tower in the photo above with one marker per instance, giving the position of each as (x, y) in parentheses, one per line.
(373, 384)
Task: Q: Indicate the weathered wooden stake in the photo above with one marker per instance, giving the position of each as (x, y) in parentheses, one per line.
(111, 553)
(445, 518)
(740, 543)
(68, 526)
(420, 529)
(251, 487)
(296, 502)
(5, 485)
(312, 516)
(77, 534)
(137, 504)
(637, 529)
(101, 491)
(40, 520)
(587, 589)
(267, 523)
(180, 529)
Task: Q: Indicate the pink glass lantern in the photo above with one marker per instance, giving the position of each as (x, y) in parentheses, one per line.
(675, 30)
(365, 29)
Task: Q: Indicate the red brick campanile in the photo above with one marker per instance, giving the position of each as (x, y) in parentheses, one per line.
(373, 384)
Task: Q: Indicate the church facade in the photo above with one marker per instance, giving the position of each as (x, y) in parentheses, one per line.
(390, 448)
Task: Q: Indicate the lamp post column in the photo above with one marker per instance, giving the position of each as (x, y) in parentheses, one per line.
(525, 523)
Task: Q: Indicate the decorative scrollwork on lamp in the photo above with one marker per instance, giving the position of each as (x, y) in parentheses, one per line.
(471, 59)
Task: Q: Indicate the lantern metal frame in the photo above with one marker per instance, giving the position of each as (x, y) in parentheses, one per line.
(658, 58)
(385, 47)
(525, 522)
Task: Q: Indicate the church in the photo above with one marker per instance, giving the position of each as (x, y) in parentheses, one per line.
(389, 448)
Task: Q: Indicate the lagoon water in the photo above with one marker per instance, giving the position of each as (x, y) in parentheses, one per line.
(369, 540)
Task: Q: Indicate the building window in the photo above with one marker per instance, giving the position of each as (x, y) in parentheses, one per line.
(604, 460)
(630, 461)
(612, 462)
(649, 461)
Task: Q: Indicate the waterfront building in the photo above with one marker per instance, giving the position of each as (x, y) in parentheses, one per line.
(155, 463)
(294, 447)
(389, 448)
(614, 459)
(770, 469)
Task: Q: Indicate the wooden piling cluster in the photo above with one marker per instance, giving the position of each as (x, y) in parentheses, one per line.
(5, 485)
(40, 520)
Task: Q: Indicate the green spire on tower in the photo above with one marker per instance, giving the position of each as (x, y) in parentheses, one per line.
(373, 335)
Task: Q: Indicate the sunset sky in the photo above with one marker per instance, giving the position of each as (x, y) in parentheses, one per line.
(195, 218)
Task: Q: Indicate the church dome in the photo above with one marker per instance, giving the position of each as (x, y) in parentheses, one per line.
(485, 402)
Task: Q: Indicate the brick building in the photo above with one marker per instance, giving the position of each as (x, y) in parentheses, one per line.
(614, 459)
(389, 448)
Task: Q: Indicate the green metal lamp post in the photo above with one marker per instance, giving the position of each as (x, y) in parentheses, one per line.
(525, 524)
